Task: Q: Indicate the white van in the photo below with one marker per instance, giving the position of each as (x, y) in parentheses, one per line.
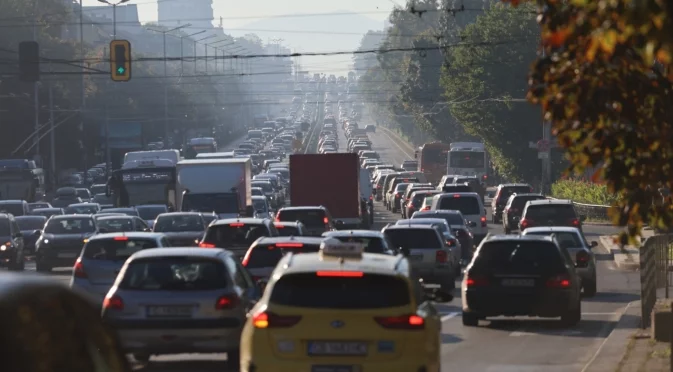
(470, 205)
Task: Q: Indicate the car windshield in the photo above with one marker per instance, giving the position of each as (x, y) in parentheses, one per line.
(467, 205)
(70, 226)
(369, 291)
(115, 224)
(15, 209)
(269, 255)
(566, 239)
(414, 238)
(81, 209)
(175, 274)
(519, 257)
(309, 217)
(149, 213)
(116, 249)
(451, 218)
(550, 212)
(372, 245)
(179, 223)
(260, 205)
(235, 234)
(31, 223)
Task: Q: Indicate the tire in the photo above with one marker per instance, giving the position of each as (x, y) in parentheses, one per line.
(42, 267)
(589, 288)
(234, 359)
(573, 316)
(141, 357)
(470, 320)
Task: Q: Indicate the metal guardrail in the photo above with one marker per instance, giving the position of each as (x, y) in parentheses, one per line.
(655, 273)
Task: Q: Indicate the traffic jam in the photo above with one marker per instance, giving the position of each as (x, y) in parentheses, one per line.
(268, 253)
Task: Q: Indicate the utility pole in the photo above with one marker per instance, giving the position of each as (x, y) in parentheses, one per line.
(52, 137)
(108, 158)
(83, 105)
(36, 93)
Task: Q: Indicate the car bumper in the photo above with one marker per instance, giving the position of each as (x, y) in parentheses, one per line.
(58, 258)
(496, 303)
(265, 364)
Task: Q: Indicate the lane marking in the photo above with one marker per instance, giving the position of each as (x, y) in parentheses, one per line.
(449, 316)
(605, 340)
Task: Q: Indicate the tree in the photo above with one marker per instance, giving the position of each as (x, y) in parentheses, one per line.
(485, 78)
(609, 104)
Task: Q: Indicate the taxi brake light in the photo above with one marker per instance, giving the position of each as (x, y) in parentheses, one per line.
(406, 322)
(340, 274)
(272, 320)
(289, 245)
(280, 226)
(206, 245)
(237, 224)
(121, 238)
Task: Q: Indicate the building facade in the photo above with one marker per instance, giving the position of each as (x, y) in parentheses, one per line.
(173, 13)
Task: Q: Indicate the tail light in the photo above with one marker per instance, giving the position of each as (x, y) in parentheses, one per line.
(483, 221)
(278, 217)
(575, 222)
(378, 186)
(561, 281)
(226, 302)
(113, 303)
(451, 243)
(475, 281)
(525, 223)
(325, 220)
(440, 257)
(272, 320)
(406, 322)
(427, 208)
(206, 245)
(582, 258)
(78, 270)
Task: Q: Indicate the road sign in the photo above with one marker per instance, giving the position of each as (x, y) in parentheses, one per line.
(543, 155)
(543, 145)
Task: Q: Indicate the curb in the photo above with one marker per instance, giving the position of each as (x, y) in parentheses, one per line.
(611, 352)
(622, 260)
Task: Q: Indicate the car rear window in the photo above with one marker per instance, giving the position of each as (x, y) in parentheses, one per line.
(519, 257)
(467, 205)
(401, 187)
(179, 223)
(115, 224)
(287, 230)
(15, 209)
(550, 211)
(84, 209)
(309, 217)
(372, 245)
(419, 198)
(235, 234)
(457, 188)
(175, 274)
(367, 292)
(507, 191)
(269, 255)
(520, 201)
(116, 249)
(414, 238)
(451, 218)
(565, 239)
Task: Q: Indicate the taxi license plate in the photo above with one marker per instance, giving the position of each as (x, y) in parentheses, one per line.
(415, 257)
(67, 255)
(330, 368)
(518, 282)
(336, 348)
(169, 311)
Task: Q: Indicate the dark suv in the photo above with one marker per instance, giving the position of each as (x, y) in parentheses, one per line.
(12, 252)
(514, 209)
(316, 220)
(502, 194)
(550, 212)
(237, 234)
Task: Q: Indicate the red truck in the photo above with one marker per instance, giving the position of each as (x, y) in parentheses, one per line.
(330, 180)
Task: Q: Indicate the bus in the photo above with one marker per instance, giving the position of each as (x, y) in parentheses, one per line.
(199, 145)
(141, 182)
(468, 159)
(172, 155)
(21, 179)
(432, 160)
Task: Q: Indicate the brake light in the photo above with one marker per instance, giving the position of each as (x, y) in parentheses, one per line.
(289, 245)
(451, 243)
(426, 208)
(561, 281)
(325, 220)
(226, 302)
(237, 224)
(473, 281)
(525, 223)
(271, 320)
(440, 257)
(280, 226)
(206, 245)
(483, 221)
(121, 238)
(378, 186)
(371, 197)
(278, 218)
(485, 176)
(340, 274)
(406, 322)
(113, 303)
(575, 222)
(456, 196)
(78, 270)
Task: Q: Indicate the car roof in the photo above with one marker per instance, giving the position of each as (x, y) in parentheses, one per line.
(417, 221)
(171, 214)
(130, 235)
(516, 195)
(179, 251)
(82, 204)
(69, 216)
(439, 211)
(29, 216)
(370, 263)
(120, 216)
(549, 201)
(359, 233)
(150, 206)
(304, 208)
(258, 197)
(247, 220)
(515, 185)
(286, 239)
(12, 201)
(461, 194)
(410, 227)
(47, 209)
(491, 238)
(552, 229)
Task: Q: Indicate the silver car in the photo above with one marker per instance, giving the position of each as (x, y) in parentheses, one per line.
(180, 300)
(573, 241)
(451, 241)
(103, 257)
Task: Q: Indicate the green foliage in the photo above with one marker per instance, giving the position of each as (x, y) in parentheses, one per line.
(485, 81)
(581, 191)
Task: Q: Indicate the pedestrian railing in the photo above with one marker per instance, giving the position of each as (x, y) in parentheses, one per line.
(655, 273)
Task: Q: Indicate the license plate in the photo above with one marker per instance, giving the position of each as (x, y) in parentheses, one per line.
(169, 311)
(331, 368)
(336, 348)
(518, 282)
(417, 257)
(66, 255)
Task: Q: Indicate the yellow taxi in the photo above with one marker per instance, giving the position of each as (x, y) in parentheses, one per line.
(342, 310)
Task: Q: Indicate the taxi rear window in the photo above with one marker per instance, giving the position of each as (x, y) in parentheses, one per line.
(269, 255)
(370, 291)
(116, 249)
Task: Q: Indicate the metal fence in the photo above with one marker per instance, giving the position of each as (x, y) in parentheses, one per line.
(655, 273)
(593, 212)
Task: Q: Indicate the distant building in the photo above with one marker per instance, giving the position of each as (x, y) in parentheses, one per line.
(386, 25)
(178, 12)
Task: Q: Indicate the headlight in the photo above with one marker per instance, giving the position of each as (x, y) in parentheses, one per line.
(45, 241)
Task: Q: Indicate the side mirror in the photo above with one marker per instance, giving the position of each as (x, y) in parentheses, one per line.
(594, 244)
(404, 251)
(583, 218)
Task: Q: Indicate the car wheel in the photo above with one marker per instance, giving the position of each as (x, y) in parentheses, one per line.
(470, 320)
(573, 316)
(141, 357)
(589, 288)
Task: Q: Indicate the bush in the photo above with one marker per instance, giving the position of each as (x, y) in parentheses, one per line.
(583, 192)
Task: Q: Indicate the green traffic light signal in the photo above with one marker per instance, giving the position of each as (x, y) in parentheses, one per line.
(120, 71)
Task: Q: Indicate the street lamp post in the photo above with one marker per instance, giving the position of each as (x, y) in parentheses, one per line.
(195, 41)
(216, 48)
(114, 14)
(164, 32)
(182, 53)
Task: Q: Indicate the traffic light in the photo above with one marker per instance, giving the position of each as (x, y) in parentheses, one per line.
(120, 60)
(29, 61)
